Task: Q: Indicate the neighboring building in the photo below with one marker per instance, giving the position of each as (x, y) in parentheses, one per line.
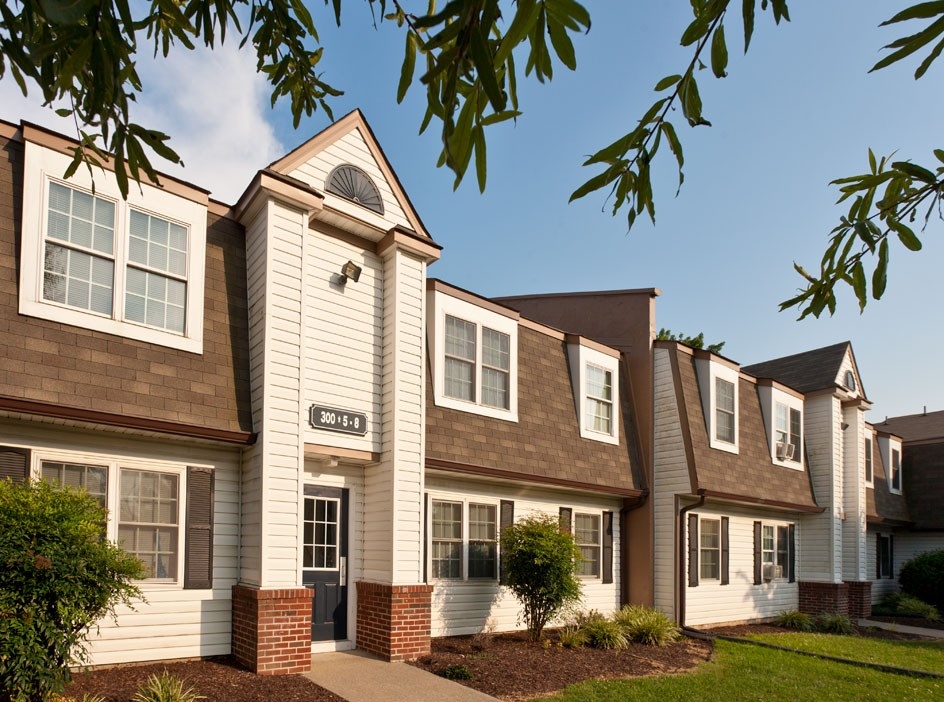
(906, 495)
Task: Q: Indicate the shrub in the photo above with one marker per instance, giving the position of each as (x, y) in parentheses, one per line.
(910, 606)
(571, 636)
(834, 623)
(456, 672)
(647, 626)
(801, 621)
(889, 602)
(602, 632)
(59, 575)
(540, 561)
(165, 688)
(923, 577)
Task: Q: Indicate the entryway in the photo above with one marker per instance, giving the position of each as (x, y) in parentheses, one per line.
(324, 560)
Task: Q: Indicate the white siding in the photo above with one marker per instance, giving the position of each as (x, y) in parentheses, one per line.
(394, 487)
(469, 607)
(822, 533)
(351, 148)
(906, 546)
(671, 478)
(271, 494)
(343, 338)
(710, 602)
(853, 495)
(173, 623)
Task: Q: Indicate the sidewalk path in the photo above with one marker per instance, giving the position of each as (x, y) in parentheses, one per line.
(902, 629)
(359, 677)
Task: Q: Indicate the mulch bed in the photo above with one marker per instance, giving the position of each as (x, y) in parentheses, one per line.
(214, 678)
(510, 667)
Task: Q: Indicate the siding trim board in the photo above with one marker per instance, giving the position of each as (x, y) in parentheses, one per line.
(42, 409)
(682, 408)
(452, 467)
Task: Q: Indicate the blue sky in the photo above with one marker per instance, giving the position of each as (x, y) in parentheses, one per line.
(799, 110)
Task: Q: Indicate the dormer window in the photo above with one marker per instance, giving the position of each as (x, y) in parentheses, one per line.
(473, 355)
(849, 381)
(594, 372)
(890, 450)
(788, 431)
(868, 463)
(130, 267)
(782, 408)
(351, 183)
(718, 383)
(895, 477)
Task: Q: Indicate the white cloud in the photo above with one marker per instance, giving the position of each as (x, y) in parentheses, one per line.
(213, 104)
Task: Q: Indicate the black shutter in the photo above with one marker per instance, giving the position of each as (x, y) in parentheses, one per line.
(693, 550)
(607, 547)
(14, 463)
(566, 518)
(724, 552)
(198, 552)
(891, 556)
(878, 556)
(791, 556)
(506, 518)
(758, 543)
(426, 539)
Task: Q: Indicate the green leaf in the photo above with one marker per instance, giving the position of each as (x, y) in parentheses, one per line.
(915, 171)
(905, 235)
(747, 10)
(940, 154)
(486, 71)
(598, 181)
(695, 31)
(719, 53)
(562, 44)
(858, 284)
(667, 82)
(880, 275)
(478, 144)
(408, 67)
(908, 45)
(64, 12)
(924, 10)
(497, 117)
(929, 59)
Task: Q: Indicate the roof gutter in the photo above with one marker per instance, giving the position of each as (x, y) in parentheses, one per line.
(702, 495)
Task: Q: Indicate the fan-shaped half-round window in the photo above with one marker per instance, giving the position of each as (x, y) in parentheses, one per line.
(351, 183)
(850, 381)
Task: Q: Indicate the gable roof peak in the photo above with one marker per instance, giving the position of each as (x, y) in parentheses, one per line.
(807, 371)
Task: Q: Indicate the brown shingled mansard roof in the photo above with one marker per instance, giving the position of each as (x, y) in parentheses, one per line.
(922, 466)
(544, 445)
(749, 475)
(806, 371)
(881, 505)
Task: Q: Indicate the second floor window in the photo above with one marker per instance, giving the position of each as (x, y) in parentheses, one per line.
(896, 471)
(789, 430)
(868, 461)
(477, 370)
(724, 410)
(599, 415)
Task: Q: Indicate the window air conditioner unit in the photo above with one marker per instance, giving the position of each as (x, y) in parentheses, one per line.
(785, 451)
(772, 572)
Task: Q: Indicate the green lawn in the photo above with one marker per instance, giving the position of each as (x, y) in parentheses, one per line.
(914, 655)
(743, 672)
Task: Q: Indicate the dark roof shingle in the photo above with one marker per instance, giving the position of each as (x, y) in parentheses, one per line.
(806, 371)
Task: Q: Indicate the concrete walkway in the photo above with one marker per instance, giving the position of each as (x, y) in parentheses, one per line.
(360, 677)
(902, 629)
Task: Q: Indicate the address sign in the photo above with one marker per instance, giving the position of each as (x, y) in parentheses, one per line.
(339, 420)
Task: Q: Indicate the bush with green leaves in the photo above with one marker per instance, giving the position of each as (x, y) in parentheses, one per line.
(923, 577)
(647, 625)
(457, 671)
(58, 576)
(834, 623)
(603, 632)
(166, 687)
(571, 636)
(794, 619)
(540, 563)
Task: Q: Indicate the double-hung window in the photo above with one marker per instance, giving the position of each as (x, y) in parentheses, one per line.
(461, 363)
(710, 549)
(587, 535)
(895, 483)
(789, 431)
(868, 463)
(775, 552)
(464, 540)
(724, 411)
(599, 410)
(884, 566)
(130, 267)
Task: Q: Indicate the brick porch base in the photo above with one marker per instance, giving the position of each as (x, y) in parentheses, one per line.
(860, 598)
(852, 598)
(393, 621)
(272, 629)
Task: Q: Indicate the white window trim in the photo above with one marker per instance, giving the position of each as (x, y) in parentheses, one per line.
(869, 456)
(702, 518)
(442, 305)
(886, 445)
(708, 371)
(573, 530)
(785, 574)
(43, 165)
(114, 464)
(580, 357)
(464, 564)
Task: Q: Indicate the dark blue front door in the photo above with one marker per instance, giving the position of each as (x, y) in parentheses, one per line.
(324, 560)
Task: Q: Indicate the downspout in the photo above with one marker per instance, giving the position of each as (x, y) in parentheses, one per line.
(682, 582)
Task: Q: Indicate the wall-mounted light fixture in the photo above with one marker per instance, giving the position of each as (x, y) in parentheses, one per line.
(350, 270)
